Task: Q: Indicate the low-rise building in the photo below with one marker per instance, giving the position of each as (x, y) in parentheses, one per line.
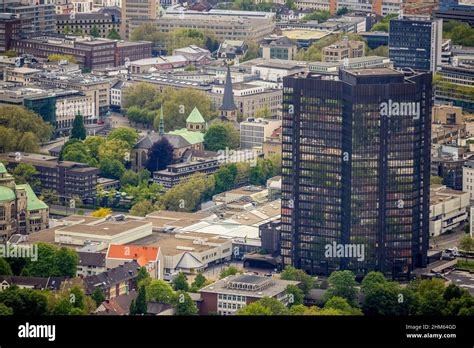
(113, 282)
(468, 178)
(37, 283)
(148, 257)
(228, 295)
(448, 209)
(280, 48)
(344, 49)
(447, 114)
(273, 144)
(254, 131)
(90, 263)
(179, 172)
(194, 54)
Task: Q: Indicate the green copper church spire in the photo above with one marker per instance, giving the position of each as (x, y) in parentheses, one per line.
(161, 128)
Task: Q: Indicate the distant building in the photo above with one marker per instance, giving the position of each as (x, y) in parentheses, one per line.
(272, 144)
(375, 38)
(448, 209)
(137, 10)
(10, 26)
(21, 212)
(195, 55)
(67, 179)
(175, 174)
(455, 84)
(447, 114)
(90, 263)
(114, 282)
(232, 49)
(84, 22)
(148, 257)
(254, 131)
(37, 17)
(344, 49)
(37, 283)
(468, 178)
(281, 48)
(415, 42)
(228, 295)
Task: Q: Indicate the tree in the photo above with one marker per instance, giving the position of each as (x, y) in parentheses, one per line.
(98, 296)
(95, 31)
(142, 275)
(231, 270)
(342, 11)
(225, 177)
(25, 173)
(295, 295)
(129, 177)
(141, 95)
(66, 261)
(290, 4)
(272, 305)
(384, 24)
(261, 172)
(342, 284)
(342, 305)
(21, 129)
(180, 282)
(24, 302)
(221, 136)
(381, 51)
(199, 282)
(143, 208)
(430, 295)
(52, 262)
(149, 32)
(188, 195)
(111, 168)
(160, 291)
(254, 308)
(264, 112)
(125, 134)
(459, 32)
(78, 130)
(466, 244)
(319, 15)
(179, 103)
(184, 304)
(183, 37)
(93, 143)
(113, 149)
(4, 310)
(59, 57)
(5, 268)
(371, 281)
(113, 35)
(102, 212)
(291, 273)
(139, 305)
(160, 155)
(251, 53)
(77, 152)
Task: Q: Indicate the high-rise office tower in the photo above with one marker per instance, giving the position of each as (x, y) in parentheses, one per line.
(356, 170)
(415, 42)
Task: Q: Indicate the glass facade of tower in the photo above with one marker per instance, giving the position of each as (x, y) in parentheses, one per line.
(356, 168)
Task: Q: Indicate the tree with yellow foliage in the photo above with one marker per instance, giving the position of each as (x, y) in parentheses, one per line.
(102, 212)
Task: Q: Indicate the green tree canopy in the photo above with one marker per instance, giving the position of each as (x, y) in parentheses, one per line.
(160, 155)
(125, 134)
(25, 173)
(113, 35)
(221, 136)
(184, 304)
(160, 291)
(291, 273)
(111, 168)
(78, 130)
(180, 282)
(342, 284)
(5, 268)
(231, 270)
(143, 208)
(98, 296)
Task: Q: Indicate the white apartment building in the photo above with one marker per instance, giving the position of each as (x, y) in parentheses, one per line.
(254, 131)
(67, 107)
(448, 209)
(468, 178)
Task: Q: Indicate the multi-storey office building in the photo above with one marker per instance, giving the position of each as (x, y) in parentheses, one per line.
(37, 16)
(84, 23)
(356, 171)
(10, 26)
(66, 179)
(415, 42)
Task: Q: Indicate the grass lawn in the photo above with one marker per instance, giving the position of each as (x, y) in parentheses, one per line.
(466, 265)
